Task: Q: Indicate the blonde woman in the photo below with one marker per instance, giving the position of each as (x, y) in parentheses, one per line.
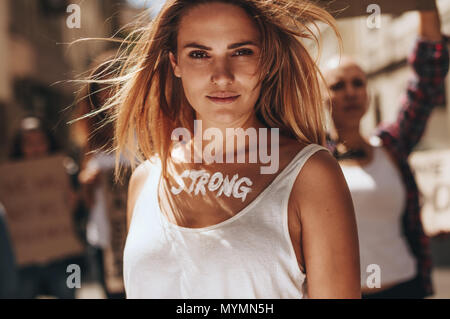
(383, 188)
(210, 218)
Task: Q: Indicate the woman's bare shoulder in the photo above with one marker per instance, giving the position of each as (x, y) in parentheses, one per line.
(135, 185)
(140, 174)
(321, 181)
(321, 172)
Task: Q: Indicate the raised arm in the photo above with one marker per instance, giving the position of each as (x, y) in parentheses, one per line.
(426, 89)
(430, 26)
(328, 227)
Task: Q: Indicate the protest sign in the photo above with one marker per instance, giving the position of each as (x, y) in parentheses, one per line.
(432, 171)
(36, 196)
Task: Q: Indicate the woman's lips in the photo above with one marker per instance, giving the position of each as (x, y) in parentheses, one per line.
(353, 107)
(223, 100)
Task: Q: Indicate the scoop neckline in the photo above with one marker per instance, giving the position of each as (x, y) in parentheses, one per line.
(240, 213)
(376, 150)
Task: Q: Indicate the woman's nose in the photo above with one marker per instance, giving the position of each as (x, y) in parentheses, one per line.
(222, 74)
(350, 90)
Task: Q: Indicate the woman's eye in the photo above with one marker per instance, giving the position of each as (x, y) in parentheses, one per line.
(243, 52)
(338, 86)
(198, 55)
(358, 83)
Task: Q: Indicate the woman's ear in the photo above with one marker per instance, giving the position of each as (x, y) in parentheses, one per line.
(174, 63)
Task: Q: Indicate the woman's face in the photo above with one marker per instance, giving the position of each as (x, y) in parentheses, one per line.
(348, 93)
(34, 144)
(217, 61)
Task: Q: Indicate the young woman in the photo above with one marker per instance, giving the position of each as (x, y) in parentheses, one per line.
(208, 227)
(383, 189)
(95, 135)
(35, 140)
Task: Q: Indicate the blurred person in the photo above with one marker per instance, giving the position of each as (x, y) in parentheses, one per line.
(231, 65)
(383, 188)
(35, 140)
(95, 137)
(9, 280)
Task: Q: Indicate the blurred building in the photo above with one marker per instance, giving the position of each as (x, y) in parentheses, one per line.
(36, 60)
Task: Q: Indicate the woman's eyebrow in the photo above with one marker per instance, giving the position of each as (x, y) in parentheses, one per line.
(196, 46)
(241, 44)
(230, 47)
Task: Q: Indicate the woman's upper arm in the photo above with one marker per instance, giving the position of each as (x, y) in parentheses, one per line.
(329, 234)
(135, 186)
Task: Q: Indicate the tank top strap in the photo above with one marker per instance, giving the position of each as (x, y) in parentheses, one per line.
(283, 183)
(149, 188)
(292, 170)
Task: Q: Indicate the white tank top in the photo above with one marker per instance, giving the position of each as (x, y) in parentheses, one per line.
(98, 228)
(247, 256)
(379, 198)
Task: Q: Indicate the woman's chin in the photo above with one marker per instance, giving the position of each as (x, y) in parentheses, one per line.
(223, 119)
(349, 121)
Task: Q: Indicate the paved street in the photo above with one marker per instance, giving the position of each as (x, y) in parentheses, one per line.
(441, 279)
(90, 291)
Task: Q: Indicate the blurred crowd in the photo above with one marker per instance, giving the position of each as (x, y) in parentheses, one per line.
(86, 197)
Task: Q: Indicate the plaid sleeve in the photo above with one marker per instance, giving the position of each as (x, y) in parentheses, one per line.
(425, 90)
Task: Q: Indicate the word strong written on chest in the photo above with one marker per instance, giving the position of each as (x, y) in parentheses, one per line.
(201, 180)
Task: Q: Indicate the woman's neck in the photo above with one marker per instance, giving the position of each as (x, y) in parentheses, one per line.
(351, 138)
(227, 132)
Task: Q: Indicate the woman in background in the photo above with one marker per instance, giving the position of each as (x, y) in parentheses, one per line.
(95, 136)
(383, 188)
(34, 140)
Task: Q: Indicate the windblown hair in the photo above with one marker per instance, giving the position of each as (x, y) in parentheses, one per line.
(94, 129)
(149, 101)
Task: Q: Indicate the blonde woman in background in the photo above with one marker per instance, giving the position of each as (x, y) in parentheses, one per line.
(382, 185)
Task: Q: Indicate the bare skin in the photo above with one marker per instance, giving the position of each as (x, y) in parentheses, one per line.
(347, 83)
(320, 211)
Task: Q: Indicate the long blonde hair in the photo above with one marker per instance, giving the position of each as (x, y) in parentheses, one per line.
(149, 101)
